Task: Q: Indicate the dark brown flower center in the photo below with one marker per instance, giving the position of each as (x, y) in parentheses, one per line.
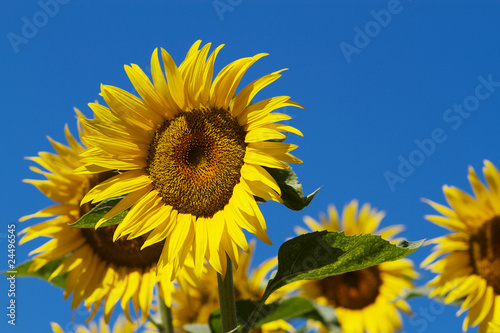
(195, 160)
(122, 252)
(353, 290)
(485, 252)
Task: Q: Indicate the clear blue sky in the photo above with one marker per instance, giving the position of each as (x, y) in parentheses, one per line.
(368, 97)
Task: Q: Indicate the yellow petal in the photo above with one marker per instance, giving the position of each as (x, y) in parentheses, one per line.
(226, 82)
(257, 173)
(262, 159)
(174, 80)
(120, 184)
(207, 76)
(246, 95)
(56, 328)
(146, 90)
(201, 244)
(127, 202)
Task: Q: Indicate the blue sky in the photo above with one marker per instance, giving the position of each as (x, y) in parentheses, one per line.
(400, 98)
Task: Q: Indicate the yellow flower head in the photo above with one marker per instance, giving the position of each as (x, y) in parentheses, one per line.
(191, 154)
(364, 299)
(100, 271)
(467, 261)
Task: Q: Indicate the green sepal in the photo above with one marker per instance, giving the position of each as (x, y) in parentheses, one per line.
(291, 189)
(90, 219)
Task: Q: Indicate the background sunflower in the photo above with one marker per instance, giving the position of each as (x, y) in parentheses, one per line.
(100, 271)
(469, 267)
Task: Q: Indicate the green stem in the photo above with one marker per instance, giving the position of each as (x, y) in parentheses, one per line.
(166, 325)
(226, 299)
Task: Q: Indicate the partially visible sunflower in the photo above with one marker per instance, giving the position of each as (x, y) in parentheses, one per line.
(470, 267)
(122, 325)
(204, 298)
(100, 271)
(364, 299)
(192, 153)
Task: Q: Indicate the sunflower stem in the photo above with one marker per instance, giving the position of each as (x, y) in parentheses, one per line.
(226, 299)
(166, 325)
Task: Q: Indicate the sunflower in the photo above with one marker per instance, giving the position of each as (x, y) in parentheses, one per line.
(364, 299)
(203, 299)
(192, 156)
(467, 260)
(100, 271)
(122, 325)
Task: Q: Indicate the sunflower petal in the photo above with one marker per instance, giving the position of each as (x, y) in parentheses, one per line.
(118, 185)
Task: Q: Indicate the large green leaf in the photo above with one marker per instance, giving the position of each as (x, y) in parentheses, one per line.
(291, 189)
(294, 307)
(43, 273)
(317, 255)
(90, 219)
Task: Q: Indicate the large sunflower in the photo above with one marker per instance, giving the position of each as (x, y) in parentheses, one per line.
(100, 271)
(364, 299)
(203, 298)
(470, 267)
(191, 155)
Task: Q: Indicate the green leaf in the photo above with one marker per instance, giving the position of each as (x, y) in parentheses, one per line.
(90, 219)
(298, 307)
(214, 320)
(294, 307)
(43, 273)
(317, 255)
(291, 189)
